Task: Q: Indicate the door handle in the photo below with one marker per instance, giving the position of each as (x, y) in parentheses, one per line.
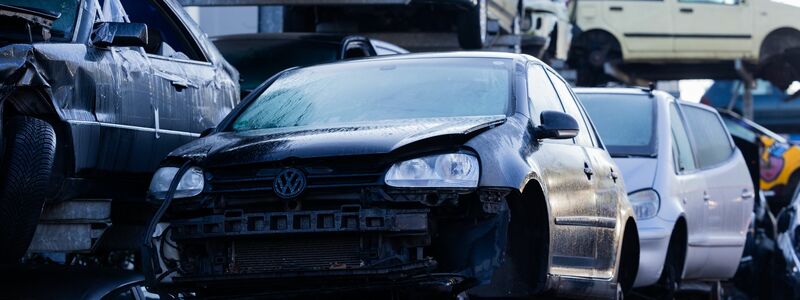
(180, 84)
(615, 8)
(687, 10)
(587, 170)
(614, 175)
(706, 196)
(747, 194)
(157, 123)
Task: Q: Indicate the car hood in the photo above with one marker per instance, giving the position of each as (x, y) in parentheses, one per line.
(638, 172)
(233, 148)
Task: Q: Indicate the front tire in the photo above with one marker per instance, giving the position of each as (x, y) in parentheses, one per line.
(472, 27)
(26, 168)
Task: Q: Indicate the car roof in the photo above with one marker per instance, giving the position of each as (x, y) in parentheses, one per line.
(67, 282)
(626, 91)
(459, 54)
(319, 37)
(611, 90)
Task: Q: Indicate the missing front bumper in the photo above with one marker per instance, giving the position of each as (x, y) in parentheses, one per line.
(445, 246)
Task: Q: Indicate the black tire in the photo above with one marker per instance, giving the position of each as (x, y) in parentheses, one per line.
(472, 27)
(669, 281)
(591, 51)
(629, 258)
(668, 284)
(26, 168)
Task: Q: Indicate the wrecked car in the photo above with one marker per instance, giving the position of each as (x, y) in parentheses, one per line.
(688, 183)
(93, 97)
(450, 173)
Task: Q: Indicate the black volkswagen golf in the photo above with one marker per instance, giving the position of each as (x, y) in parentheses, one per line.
(422, 171)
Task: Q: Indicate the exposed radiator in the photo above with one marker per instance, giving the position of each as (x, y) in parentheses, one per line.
(297, 253)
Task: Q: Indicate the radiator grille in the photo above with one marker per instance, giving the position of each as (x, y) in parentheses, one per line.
(260, 180)
(295, 254)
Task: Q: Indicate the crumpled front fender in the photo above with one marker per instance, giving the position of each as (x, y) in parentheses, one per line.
(18, 67)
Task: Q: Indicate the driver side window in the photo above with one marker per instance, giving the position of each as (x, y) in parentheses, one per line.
(542, 96)
(166, 35)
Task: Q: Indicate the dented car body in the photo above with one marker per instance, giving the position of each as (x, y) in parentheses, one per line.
(118, 96)
(413, 170)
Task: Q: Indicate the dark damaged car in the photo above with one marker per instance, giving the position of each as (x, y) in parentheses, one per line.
(93, 95)
(455, 173)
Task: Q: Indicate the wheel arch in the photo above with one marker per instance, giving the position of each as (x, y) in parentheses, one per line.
(576, 40)
(628, 255)
(767, 47)
(532, 203)
(680, 234)
(35, 101)
(30, 101)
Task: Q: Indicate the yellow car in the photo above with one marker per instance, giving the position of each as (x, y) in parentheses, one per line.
(779, 160)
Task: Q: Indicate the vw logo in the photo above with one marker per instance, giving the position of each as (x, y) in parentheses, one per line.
(289, 183)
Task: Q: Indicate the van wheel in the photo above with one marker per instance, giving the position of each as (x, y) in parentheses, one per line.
(472, 27)
(27, 164)
(669, 281)
(590, 52)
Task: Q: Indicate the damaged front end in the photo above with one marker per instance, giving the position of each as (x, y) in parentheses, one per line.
(346, 231)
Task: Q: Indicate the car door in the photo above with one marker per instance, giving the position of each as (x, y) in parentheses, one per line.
(122, 102)
(604, 189)
(689, 186)
(609, 192)
(712, 27)
(729, 192)
(189, 93)
(569, 190)
(643, 25)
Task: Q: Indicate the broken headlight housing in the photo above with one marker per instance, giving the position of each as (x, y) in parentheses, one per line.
(191, 183)
(645, 203)
(454, 170)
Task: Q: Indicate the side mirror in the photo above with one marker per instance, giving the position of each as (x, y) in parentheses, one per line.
(207, 131)
(556, 125)
(119, 34)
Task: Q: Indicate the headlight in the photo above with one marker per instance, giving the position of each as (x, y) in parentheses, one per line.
(191, 183)
(645, 203)
(446, 170)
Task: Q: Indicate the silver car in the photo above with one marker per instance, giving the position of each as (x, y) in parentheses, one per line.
(687, 182)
